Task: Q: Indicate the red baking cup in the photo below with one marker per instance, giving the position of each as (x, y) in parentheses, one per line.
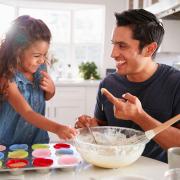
(61, 145)
(16, 163)
(41, 162)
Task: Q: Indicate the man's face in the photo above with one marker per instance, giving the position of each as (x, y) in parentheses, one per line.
(129, 59)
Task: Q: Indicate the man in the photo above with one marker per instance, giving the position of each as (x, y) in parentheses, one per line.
(149, 92)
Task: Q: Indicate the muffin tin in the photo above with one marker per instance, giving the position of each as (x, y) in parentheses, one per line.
(18, 158)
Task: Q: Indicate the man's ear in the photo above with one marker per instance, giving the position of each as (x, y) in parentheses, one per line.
(149, 50)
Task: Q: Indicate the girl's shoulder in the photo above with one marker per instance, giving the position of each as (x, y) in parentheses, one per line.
(19, 78)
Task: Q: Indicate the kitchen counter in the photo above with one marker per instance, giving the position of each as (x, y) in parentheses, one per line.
(144, 168)
(76, 82)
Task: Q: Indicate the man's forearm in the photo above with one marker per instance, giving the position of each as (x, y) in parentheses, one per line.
(167, 138)
(100, 122)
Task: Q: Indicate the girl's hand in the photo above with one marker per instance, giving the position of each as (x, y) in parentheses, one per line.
(47, 85)
(66, 132)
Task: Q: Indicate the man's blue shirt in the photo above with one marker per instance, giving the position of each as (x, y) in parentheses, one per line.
(159, 95)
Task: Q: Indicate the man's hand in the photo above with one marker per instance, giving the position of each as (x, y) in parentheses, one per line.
(126, 108)
(84, 121)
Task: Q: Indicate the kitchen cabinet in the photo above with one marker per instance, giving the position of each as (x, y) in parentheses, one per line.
(137, 4)
(169, 12)
(90, 99)
(70, 101)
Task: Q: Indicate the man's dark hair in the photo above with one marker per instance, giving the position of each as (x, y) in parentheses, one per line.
(145, 26)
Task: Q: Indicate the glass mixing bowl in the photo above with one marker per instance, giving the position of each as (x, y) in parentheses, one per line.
(114, 146)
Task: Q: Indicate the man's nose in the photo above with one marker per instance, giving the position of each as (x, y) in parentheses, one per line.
(115, 51)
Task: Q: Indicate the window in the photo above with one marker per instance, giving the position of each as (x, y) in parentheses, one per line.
(77, 35)
(8, 13)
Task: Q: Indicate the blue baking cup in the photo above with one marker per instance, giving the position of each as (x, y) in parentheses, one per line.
(15, 147)
(1, 155)
(64, 151)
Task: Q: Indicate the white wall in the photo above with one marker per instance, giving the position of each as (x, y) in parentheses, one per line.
(111, 7)
(171, 39)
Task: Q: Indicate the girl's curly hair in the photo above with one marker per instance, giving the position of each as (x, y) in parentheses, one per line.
(24, 31)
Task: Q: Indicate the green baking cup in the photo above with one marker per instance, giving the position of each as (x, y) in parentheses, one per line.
(40, 146)
(19, 154)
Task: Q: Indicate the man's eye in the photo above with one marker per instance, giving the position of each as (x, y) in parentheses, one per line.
(122, 46)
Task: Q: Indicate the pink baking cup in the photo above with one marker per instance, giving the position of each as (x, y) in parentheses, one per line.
(41, 153)
(2, 148)
(68, 160)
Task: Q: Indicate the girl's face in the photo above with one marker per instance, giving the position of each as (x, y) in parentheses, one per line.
(32, 57)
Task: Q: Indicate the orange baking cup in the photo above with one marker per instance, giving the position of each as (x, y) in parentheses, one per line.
(61, 145)
(42, 162)
(16, 163)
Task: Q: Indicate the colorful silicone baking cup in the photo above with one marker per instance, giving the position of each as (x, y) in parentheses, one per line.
(0, 164)
(18, 154)
(16, 163)
(61, 145)
(41, 153)
(2, 148)
(42, 162)
(68, 160)
(64, 151)
(40, 146)
(1, 155)
(15, 147)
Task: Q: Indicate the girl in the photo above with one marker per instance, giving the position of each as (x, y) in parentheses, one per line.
(25, 85)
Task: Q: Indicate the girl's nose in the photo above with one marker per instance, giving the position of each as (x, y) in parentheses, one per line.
(41, 60)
